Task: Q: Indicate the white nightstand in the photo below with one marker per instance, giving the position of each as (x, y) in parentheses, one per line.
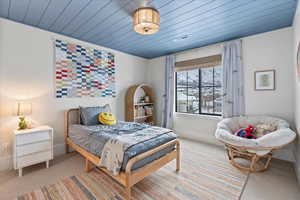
(32, 146)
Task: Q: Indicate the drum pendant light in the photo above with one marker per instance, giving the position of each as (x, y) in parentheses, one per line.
(146, 21)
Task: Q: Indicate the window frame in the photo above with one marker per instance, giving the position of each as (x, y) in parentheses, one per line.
(200, 94)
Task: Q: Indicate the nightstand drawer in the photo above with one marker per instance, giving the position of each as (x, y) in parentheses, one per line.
(32, 137)
(33, 148)
(27, 160)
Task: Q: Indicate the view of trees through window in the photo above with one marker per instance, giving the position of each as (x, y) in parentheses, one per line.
(199, 91)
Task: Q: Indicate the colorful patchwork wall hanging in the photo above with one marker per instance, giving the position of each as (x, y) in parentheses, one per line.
(83, 71)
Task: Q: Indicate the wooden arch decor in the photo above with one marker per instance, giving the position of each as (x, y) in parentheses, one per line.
(131, 104)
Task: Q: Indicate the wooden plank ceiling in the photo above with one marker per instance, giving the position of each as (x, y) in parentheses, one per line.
(185, 24)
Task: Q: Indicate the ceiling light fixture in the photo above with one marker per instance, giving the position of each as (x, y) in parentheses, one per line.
(146, 21)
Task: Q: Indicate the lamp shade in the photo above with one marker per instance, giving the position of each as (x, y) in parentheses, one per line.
(23, 109)
(146, 21)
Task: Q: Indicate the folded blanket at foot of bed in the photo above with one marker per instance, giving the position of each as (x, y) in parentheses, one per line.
(115, 147)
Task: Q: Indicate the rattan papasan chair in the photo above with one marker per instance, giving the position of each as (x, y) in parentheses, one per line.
(257, 151)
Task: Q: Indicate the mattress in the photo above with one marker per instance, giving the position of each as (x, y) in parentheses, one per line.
(91, 139)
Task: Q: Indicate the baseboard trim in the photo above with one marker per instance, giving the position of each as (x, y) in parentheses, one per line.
(208, 140)
(6, 162)
(218, 144)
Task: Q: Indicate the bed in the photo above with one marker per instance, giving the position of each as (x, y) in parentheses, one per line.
(139, 160)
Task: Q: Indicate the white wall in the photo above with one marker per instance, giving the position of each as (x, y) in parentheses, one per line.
(296, 41)
(27, 72)
(155, 78)
(270, 50)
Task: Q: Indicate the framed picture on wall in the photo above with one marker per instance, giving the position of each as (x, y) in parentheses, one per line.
(264, 80)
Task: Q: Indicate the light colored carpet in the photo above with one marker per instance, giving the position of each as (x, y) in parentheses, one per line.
(201, 177)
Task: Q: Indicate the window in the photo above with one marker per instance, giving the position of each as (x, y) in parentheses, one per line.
(199, 91)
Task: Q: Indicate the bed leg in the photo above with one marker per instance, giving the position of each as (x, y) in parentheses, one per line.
(88, 167)
(128, 186)
(178, 157)
(128, 192)
(67, 149)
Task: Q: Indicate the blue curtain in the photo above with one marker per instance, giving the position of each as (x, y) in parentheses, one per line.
(167, 121)
(233, 79)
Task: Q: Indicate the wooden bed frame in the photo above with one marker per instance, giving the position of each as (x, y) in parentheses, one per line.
(129, 177)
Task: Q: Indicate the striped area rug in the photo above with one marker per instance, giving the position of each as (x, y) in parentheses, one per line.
(202, 177)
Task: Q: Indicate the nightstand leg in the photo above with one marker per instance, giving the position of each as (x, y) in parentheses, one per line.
(20, 172)
(47, 163)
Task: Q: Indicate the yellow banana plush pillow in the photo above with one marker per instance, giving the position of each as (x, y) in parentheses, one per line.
(107, 118)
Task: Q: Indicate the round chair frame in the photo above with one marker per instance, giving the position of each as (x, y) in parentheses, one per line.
(257, 163)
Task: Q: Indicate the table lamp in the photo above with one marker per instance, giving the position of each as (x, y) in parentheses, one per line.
(22, 110)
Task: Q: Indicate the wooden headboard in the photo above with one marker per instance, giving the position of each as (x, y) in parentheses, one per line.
(71, 117)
